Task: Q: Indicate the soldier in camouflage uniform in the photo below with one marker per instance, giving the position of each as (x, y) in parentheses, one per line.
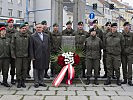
(55, 45)
(68, 31)
(20, 52)
(99, 34)
(80, 37)
(107, 30)
(127, 54)
(30, 33)
(46, 30)
(4, 55)
(114, 44)
(10, 31)
(93, 46)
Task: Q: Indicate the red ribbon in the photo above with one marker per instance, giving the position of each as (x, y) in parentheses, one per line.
(61, 75)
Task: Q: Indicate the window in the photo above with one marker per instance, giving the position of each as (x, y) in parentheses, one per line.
(19, 14)
(0, 11)
(10, 12)
(10, 1)
(20, 2)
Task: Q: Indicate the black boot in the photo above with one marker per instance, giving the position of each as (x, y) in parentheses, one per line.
(19, 84)
(108, 81)
(12, 80)
(88, 81)
(118, 82)
(5, 83)
(124, 82)
(130, 82)
(23, 84)
(96, 81)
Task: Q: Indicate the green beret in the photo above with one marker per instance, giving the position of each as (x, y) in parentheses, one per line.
(91, 30)
(22, 25)
(26, 23)
(55, 24)
(80, 23)
(108, 23)
(126, 23)
(95, 21)
(44, 22)
(69, 22)
(113, 24)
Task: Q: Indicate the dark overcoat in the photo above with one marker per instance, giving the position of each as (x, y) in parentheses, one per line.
(40, 51)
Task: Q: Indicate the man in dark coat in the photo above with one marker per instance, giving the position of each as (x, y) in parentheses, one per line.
(39, 52)
(46, 30)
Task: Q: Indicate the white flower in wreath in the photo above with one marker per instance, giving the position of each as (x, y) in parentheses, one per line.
(69, 57)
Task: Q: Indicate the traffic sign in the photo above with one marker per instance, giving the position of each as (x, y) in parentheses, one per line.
(92, 16)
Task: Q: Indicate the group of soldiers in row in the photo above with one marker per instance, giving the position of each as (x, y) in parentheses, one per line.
(18, 48)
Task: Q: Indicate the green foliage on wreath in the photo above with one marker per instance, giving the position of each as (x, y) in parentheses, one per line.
(78, 68)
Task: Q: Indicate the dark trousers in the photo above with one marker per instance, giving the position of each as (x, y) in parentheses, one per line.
(113, 62)
(4, 66)
(12, 70)
(38, 76)
(21, 68)
(104, 62)
(92, 63)
(127, 62)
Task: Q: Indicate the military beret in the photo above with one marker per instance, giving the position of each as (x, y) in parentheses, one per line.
(22, 25)
(44, 22)
(95, 21)
(80, 23)
(26, 23)
(107, 23)
(69, 22)
(55, 24)
(9, 20)
(92, 29)
(2, 28)
(126, 23)
(113, 24)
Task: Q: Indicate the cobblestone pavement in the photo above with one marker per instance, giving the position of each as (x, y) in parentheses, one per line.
(74, 92)
(77, 91)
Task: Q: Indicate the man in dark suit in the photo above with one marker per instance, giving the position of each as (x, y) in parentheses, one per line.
(40, 53)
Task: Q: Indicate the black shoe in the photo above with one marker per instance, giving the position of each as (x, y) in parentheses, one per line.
(23, 84)
(19, 84)
(5, 84)
(88, 81)
(124, 82)
(118, 82)
(13, 82)
(44, 85)
(104, 76)
(28, 76)
(36, 85)
(46, 76)
(130, 83)
(107, 82)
